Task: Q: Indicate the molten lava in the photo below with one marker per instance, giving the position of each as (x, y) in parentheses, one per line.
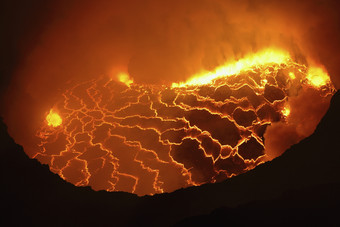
(286, 111)
(125, 78)
(266, 56)
(53, 119)
(317, 76)
(149, 139)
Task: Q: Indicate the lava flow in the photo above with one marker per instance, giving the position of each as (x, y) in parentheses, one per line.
(146, 139)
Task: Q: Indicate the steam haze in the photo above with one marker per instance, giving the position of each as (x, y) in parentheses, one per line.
(156, 42)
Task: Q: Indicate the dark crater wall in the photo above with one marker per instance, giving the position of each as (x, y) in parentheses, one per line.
(299, 187)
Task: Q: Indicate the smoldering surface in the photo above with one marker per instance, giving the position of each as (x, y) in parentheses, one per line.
(156, 43)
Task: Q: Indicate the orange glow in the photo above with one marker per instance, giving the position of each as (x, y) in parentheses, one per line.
(125, 78)
(53, 119)
(142, 139)
(317, 76)
(291, 75)
(151, 98)
(286, 111)
(264, 57)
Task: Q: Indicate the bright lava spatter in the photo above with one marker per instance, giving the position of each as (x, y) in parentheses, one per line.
(53, 119)
(153, 139)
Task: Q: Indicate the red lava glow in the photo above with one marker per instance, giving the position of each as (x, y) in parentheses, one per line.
(146, 139)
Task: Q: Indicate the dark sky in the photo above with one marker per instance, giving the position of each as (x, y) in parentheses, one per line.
(21, 23)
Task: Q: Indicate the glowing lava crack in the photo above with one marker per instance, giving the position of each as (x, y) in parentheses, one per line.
(153, 139)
